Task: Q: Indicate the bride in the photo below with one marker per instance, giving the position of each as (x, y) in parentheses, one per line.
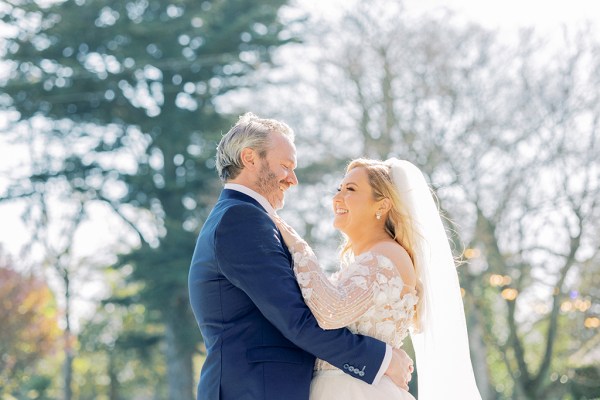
(397, 277)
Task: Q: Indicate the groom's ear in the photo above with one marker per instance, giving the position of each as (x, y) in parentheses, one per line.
(248, 157)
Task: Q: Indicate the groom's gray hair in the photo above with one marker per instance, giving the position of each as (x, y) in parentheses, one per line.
(250, 131)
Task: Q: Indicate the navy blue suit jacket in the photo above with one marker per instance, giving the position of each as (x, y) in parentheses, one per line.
(261, 338)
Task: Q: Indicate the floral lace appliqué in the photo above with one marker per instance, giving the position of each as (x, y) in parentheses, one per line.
(367, 295)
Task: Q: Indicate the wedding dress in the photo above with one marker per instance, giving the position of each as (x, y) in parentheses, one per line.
(369, 297)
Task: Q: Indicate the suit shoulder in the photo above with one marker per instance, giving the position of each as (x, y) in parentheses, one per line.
(236, 207)
(241, 213)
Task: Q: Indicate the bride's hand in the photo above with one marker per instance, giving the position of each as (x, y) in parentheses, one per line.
(290, 236)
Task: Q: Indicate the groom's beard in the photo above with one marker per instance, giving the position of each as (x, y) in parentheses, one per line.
(268, 185)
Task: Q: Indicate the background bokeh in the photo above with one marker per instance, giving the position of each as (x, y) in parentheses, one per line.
(110, 112)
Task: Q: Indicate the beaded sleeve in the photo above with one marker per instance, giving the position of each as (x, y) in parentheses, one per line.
(369, 282)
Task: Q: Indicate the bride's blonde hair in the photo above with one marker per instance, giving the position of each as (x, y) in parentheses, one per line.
(398, 224)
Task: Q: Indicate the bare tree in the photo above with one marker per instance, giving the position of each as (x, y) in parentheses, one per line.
(507, 135)
(399, 87)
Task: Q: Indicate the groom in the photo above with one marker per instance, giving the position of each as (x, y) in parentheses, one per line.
(261, 338)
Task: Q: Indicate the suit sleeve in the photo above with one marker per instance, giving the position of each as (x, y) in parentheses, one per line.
(251, 256)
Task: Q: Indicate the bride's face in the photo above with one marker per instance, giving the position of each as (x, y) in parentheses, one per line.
(354, 205)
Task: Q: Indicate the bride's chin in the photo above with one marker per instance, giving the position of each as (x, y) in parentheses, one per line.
(339, 226)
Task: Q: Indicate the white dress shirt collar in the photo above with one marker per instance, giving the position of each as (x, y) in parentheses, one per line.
(249, 192)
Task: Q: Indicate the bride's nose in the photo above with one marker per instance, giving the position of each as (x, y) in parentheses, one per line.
(337, 199)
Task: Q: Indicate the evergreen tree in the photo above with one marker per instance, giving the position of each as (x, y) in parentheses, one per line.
(133, 84)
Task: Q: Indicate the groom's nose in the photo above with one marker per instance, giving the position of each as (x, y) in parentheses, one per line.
(292, 178)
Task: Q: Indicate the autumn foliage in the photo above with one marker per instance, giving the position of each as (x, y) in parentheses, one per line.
(29, 327)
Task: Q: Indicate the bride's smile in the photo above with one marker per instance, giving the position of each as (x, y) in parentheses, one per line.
(354, 205)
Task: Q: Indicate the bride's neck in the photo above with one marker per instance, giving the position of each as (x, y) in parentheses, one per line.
(363, 241)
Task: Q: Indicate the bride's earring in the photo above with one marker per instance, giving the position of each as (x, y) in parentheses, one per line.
(378, 215)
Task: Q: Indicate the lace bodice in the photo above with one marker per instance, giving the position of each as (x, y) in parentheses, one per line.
(368, 296)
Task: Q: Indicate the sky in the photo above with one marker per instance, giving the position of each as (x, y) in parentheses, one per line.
(506, 15)
(511, 14)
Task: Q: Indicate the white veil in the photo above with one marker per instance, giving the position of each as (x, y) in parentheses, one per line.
(441, 347)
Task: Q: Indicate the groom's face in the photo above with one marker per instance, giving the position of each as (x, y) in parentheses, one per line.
(276, 173)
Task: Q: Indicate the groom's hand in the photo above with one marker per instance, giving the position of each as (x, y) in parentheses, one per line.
(400, 369)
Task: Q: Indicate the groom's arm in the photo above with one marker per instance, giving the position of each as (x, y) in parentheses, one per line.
(251, 256)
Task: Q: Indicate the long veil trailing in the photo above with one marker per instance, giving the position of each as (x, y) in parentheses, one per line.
(441, 346)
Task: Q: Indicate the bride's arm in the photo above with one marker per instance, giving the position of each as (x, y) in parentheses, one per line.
(334, 303)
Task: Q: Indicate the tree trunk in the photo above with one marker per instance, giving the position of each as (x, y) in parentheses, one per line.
(68, 365)
(479, 354)
(113, 389)
(68, 371)
(179, 362)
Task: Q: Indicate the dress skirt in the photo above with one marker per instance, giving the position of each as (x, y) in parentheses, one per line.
(334, 384)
